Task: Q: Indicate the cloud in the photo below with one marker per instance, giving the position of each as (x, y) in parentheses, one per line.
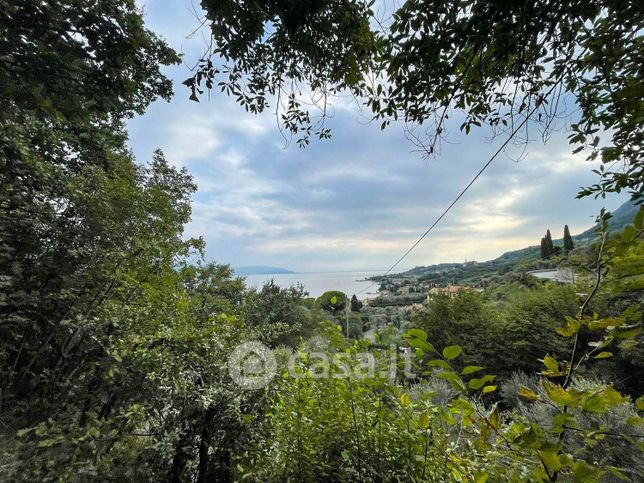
(361, 199)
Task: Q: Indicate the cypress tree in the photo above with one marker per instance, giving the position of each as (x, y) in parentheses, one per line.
(550, 245)
(544, 248)
(356, 305)
(567, 240)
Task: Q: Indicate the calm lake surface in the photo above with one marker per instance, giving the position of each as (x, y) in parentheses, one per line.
(316, 283)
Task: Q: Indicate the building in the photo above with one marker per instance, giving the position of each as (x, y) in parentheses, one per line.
(559, 275)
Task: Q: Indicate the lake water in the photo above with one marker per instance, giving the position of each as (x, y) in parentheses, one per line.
(316, 283)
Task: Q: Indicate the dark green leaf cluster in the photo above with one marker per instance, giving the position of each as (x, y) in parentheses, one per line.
(484, 63)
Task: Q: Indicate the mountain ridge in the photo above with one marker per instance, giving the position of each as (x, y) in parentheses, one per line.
(260, 270)
(622, 216)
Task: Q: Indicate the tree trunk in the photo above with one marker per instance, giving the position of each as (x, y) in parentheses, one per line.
(204, 446)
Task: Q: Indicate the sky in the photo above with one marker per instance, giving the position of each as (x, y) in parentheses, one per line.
(359, 200)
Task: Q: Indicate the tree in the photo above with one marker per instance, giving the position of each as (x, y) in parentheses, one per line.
(75, 210)
(528, 326)
(465, 320)
(567, 240)
(333, 301)
(492, 63)
(356, 305)
(544, 248)
(551, 247)
(279, 313)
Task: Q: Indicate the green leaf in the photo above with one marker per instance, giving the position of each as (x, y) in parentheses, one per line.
(424, 421)
(440, 363)
(572, 327)
(551, 460)
(604, 323)
(527, 393)
(453, 378)
(604, 355)
(25, 431)
(481, 477)
(639, 403)
(418, 339)
(618, 473)
(405, 400)
(489, 389)
(494, 419)
(478, 383)
(559, 395)
(416, 334)
(551, 364)
(628, 332)
(627, 345)
(463, 404)
(564, 419)
(471, 369)
(582, 472)
(452, 352)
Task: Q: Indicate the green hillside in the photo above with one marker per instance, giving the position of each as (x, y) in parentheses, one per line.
(528, 258)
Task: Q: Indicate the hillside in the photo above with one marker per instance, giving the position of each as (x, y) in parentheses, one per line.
(260, 270)
(476, 272)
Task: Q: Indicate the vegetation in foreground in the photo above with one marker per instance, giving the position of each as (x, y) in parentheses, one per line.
(115, 332)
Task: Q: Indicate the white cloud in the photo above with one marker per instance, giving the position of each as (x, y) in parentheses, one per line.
(362, 198)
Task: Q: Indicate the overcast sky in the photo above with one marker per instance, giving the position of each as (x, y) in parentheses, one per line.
(359, 200)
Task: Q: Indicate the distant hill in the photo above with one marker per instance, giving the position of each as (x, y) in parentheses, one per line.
(622, 216)
(474, 272)
(260, 270)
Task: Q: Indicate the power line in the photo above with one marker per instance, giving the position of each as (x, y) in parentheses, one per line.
(467, 187)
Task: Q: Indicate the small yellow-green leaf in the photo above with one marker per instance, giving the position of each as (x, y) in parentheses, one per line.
(494, 419)
(604, 355)
(527, 393)
(604, 323)
(627, 344)
(613, 396)
(572, 327)
(551, 364)
(639, 403)
(23, 432)
(559, 395)
(424, 421)
(628, 332)
(489, 389)
(405, 400)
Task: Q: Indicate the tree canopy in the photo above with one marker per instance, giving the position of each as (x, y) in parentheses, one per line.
(117, 337)
(492, 63)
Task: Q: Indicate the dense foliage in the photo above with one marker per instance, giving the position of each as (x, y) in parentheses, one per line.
(492, 63)
(116, 334)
